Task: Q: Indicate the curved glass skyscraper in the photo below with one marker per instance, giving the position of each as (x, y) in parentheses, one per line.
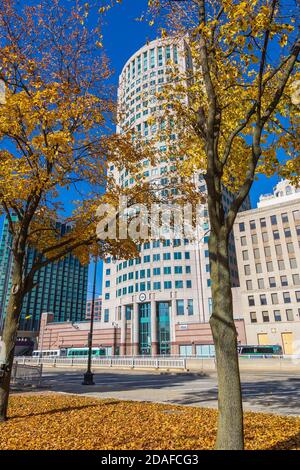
(161, 297)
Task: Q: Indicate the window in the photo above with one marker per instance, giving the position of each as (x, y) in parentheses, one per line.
(256, 253)
(167, 256)
(106, 315)
(273, 220)
(283, 280)
(272, 282)
(258, 268)
(242, 227)
(156, 257)
(252, 224)
(187, 255)
(296, 215)
(289, 314)
(107, 296)
(276, 235)
(293, 263)
(156, 271)
(296, 279)
(297, 293)
(290, 247)
(253, 317)
(286, 297)
(167, 285)
(263, 299)
(284, 218)
(245, 255)
(178, 269)
(265, 236)
(277, 315)
(247, 270)
(254, 239)
(251, 300)
(190, 307)
(177, 255)
(281, 264)
(267, 250)
(274, 298)
(167, 270)
(265, 316)
(178, 284)
(180, 307)
(188, 284)
(243, 241)
(269, 266)
(261, 283)
(249, 284)
(188, 270)
(263, 222)
(287, 232)
(278, 249)
(156, 285)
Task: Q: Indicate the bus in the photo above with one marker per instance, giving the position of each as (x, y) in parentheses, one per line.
(83, 352)
(260, 350)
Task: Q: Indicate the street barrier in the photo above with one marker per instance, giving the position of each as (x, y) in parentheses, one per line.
(26, 375)
(193, 363)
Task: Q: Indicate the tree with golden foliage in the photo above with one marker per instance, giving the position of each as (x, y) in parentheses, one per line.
(234, 116)
(54, 113)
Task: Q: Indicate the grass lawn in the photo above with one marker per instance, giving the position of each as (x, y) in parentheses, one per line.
(55, 421)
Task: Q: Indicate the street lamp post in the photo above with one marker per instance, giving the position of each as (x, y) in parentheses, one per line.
(88, 378)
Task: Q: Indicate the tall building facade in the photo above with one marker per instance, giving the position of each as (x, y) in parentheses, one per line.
(158, 298)
(268, 254)
(61, 287)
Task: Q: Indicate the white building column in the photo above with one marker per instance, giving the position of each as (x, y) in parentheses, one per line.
(123, 331)
(154, 339)
(173, 316)
(135, 329)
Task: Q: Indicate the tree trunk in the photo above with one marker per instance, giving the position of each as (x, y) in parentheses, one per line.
(10, 330)
(230, 435)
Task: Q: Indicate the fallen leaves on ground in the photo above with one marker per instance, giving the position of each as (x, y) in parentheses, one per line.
(56, 421)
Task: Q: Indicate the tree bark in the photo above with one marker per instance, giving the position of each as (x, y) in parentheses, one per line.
(10, 330)
(230, 435)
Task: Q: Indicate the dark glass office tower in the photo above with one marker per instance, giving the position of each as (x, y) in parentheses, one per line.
(61, 288)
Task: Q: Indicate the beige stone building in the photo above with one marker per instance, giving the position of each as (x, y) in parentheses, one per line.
(267, 243)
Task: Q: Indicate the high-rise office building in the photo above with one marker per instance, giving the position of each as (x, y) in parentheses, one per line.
(268, 254)
(160, 298)
(61, 286)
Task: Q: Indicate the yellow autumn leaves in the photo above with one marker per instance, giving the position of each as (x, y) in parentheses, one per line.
(53, 421)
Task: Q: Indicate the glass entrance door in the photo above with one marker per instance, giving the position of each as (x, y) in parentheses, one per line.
(145, 329)
(163, 328)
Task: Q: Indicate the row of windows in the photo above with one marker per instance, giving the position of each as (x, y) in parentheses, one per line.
(269, 265)
(265, 236)
(143, 286)
(268, 252)
(286, 298)
(143, 273)
(261, 284)
(276, 315)
(273, 219)
(155, 57)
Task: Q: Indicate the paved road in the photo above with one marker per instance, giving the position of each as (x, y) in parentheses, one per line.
(270, 392)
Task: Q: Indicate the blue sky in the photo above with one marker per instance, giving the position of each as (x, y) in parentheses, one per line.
(123, 35)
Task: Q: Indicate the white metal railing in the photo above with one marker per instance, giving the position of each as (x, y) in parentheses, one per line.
(159, 362)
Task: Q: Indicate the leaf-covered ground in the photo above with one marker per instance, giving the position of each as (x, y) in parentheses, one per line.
(55, 421)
